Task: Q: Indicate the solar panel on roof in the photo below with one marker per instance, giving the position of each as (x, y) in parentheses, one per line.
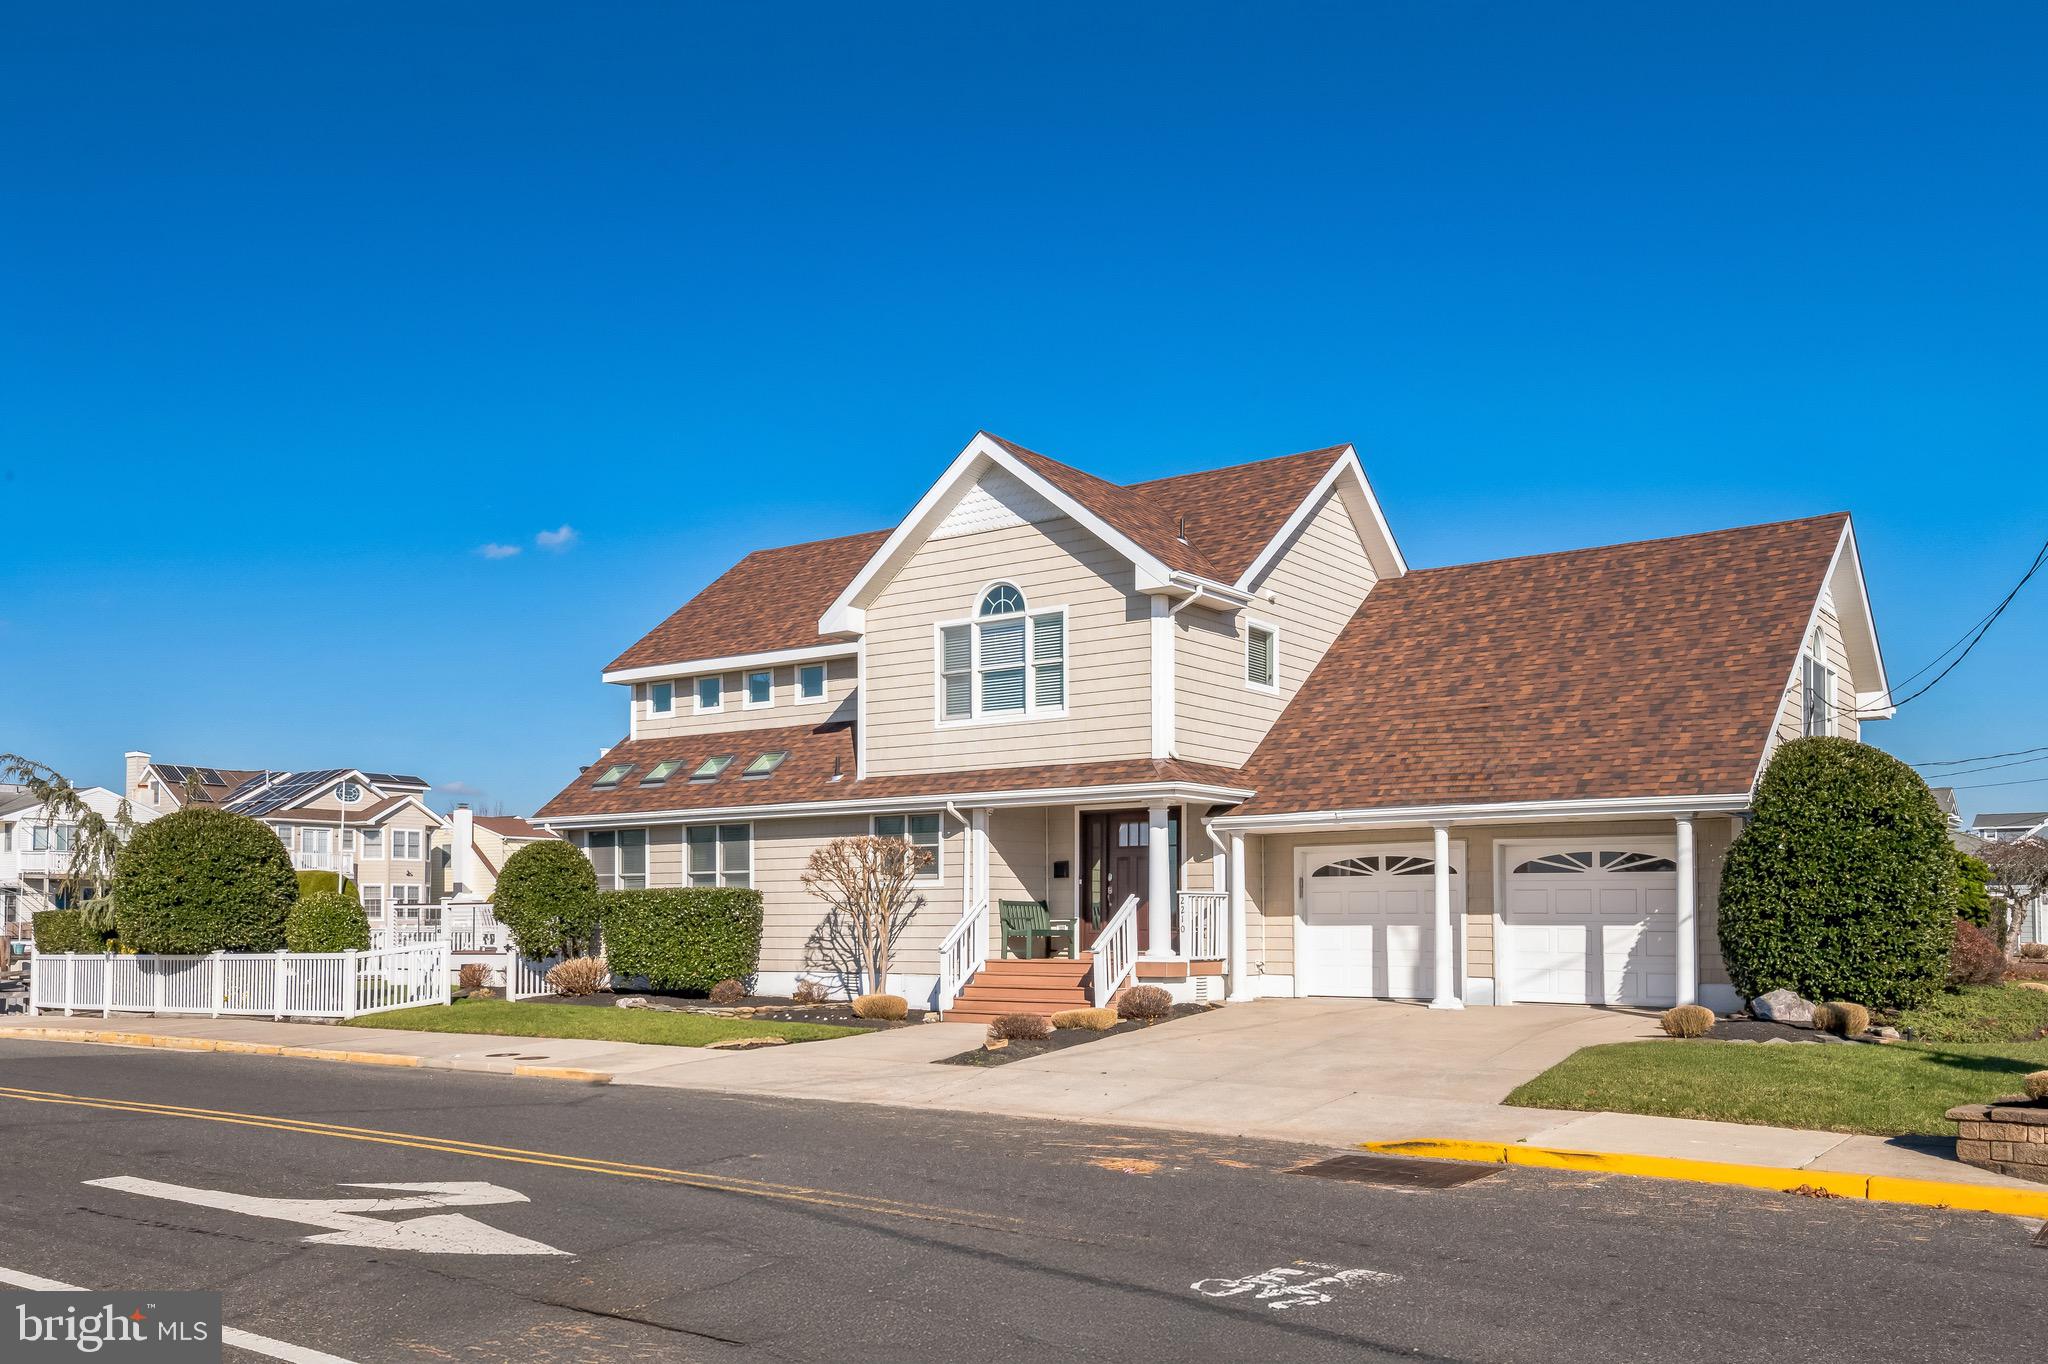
(211, 776)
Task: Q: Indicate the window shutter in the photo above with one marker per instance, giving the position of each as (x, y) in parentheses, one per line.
(955, 662)
(1259, 658)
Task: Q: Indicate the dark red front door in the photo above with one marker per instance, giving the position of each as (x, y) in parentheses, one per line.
(1116, 851)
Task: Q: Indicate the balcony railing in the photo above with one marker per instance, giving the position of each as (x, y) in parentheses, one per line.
(345, 863)
(1204, 925)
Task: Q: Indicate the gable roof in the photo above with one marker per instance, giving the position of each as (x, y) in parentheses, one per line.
(1234, 513)
(510, 826)
(1142, 516)
(1639, 670)
(2024, 819)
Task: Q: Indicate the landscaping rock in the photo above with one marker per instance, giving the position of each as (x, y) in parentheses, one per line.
(746, 1043)
(995, 1044)
(630, 1002)
(1885, 1034)
(1782, 1006)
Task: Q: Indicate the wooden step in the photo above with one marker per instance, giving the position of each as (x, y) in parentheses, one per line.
(1017, 1001)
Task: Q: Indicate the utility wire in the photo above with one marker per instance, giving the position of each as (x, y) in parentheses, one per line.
(1983, 629)
(1985, 785)
(1980, 758)
(1987, 767)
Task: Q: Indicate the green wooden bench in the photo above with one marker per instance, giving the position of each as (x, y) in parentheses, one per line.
(1030, 919)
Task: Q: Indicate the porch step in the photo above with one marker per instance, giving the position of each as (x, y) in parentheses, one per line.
(1039, 986)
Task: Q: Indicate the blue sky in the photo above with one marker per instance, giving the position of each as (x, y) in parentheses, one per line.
(305, 304)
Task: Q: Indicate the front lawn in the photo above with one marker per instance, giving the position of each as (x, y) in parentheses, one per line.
(1897, 1090)
(1978, 1013)
(502, 1018)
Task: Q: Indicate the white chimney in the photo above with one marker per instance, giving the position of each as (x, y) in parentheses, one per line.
(464, 836)
(138, 775)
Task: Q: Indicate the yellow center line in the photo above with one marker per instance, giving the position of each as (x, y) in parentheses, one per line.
(701, 1179)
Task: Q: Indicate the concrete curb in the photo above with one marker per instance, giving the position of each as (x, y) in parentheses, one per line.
(1926, 1193)
(169, 1042)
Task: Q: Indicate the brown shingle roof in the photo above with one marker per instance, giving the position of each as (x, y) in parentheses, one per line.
(1234, 513)
(1144, 518)
(816, 754)
(769, 600)
(510, 826)
(1646, 669)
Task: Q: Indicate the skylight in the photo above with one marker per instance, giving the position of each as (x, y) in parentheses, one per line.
(661, 771)
(766, 763)
(612, 775)
(711, 767)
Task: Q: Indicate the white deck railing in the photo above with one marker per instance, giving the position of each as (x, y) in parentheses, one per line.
(312, 860)
(1115, 954)
(275, 985)
(1204, 925)
(964, 952)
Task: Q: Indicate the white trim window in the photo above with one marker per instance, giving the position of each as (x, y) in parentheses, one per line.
(708, 693)
(406, 900)
(810, 683)
(661, 698)
(924, 832)
(373, 901)
(760, 689)
(373, 845)
(1817, 687)
(1261, 656)
(38, 838)
(408, 845)
(284, 836)
(1009, 662)
(619, 857)
(719, 854)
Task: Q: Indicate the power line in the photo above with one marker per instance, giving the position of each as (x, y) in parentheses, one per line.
(1989, 767)
(1982, 629)
(1980, 758)
(1986, 785)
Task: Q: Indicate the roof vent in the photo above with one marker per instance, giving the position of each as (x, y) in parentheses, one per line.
(1181, 520)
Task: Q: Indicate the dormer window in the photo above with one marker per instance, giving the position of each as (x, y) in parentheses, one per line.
(661, 698)
(1818, 687)
(1009, 662)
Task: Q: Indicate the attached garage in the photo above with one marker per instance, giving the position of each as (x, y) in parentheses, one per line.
(1367, 924)
(1590, 921)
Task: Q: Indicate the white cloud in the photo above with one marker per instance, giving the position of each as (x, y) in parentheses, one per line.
(556, 540)
(497, 551)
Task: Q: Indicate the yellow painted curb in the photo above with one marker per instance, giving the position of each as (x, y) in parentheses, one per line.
(1926, 1193)
(589, 1077)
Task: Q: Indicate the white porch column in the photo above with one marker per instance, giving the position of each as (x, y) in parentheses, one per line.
(1240, 951)
(1159, 882)
(977, 855)
(1688, 917)
(1446, 960)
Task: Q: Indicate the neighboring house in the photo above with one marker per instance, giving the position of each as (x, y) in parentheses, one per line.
(1225, 701)
(2005, 828)
(373, 827)
(490, 839)
(36, 851)
(1945, 801)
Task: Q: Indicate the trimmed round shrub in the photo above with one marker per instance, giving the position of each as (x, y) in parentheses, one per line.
(1020, 1028)
(2035, 1086)
(1144, 1003)
(687, 939)
(1093, 1020)
(65, 930)
(1843, 883)
(203, 880)
(328, 883)
(727, 993)
(883, 1008)
(326, 921)
(547, 900)
(1687, 1020)
(579, 975)
(1973, 959)
(1845, 1020)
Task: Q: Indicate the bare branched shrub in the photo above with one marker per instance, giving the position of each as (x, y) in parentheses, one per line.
(1144, 1003)
(869, 887)
(727, 993)
(1687, 1020)
(809, 991)
(474, 975)
(578, 975)
(1020, 1028)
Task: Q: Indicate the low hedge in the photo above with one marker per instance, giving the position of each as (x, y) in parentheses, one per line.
(326, 921)
(686, 939)
(65, 930)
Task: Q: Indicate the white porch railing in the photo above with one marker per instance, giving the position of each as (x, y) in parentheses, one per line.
(467, 929)
(1115, 954)
(1204, 925)
(964, 952)
(275, 985)
(345, 863)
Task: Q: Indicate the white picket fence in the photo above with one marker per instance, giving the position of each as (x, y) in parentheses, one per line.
(276, 985)
(525, 978)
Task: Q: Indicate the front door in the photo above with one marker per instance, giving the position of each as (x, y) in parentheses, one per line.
(1116, 852)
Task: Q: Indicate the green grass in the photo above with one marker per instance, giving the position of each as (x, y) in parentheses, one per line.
(1897, 1090)
(502, 1018)
(1979, 1013)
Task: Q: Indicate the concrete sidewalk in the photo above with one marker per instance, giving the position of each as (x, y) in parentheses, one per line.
(1272, 1069)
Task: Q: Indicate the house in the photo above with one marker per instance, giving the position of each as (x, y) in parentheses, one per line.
(1951, 812)
(488, 840)
(1220, 720)
(36, 851)
(2006, 828)
(372, 827)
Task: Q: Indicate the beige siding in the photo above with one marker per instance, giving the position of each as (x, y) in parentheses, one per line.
(386, 871)
(1318, 582)
(841, 678)
(1054, 564)
(1792, 710)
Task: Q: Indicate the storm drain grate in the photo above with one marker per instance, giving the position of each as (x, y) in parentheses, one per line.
(1397, 1173)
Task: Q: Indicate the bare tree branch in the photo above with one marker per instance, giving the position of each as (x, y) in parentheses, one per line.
(869, 886)
(95, 839)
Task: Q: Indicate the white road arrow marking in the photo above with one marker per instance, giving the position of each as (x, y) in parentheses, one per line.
(347, 1225)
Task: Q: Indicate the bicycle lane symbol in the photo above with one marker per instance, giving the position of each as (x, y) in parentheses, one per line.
(1305, 1283)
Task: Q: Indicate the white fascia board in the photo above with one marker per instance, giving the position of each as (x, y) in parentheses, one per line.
(1386, 556)
(1167, 792)
(1628, 807)
(653, 672)
(1859, 626)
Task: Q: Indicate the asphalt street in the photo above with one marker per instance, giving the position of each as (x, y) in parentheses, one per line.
(568, 1222)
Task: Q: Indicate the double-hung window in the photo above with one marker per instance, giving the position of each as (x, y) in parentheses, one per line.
(922, 833)
(1818, 689)
(407, 845)
(661, 698)
(373, 901)
(720, 854)
(1008, 660)
(619, 857)
(373, 844)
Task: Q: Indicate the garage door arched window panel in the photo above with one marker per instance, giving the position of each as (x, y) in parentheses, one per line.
(1635, 861)
(1570, 863)
(1399, 864)
(1350, 866)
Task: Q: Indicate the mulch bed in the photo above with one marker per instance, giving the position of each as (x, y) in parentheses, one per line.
(768, 1008)
(1757, 1030)
(1061, 1039)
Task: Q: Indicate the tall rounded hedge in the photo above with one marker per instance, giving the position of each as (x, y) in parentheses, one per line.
(66, 930)
(547, 899)
(1843, 885)
(203, 881)
(687, 939)
(326, 921)
(328, 883)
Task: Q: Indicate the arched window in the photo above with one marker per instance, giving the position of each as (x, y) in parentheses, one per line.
(1817, 687)
(1001, 600)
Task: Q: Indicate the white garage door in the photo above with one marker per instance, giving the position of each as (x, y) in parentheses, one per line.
(1368, 922)
(1591, 924)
